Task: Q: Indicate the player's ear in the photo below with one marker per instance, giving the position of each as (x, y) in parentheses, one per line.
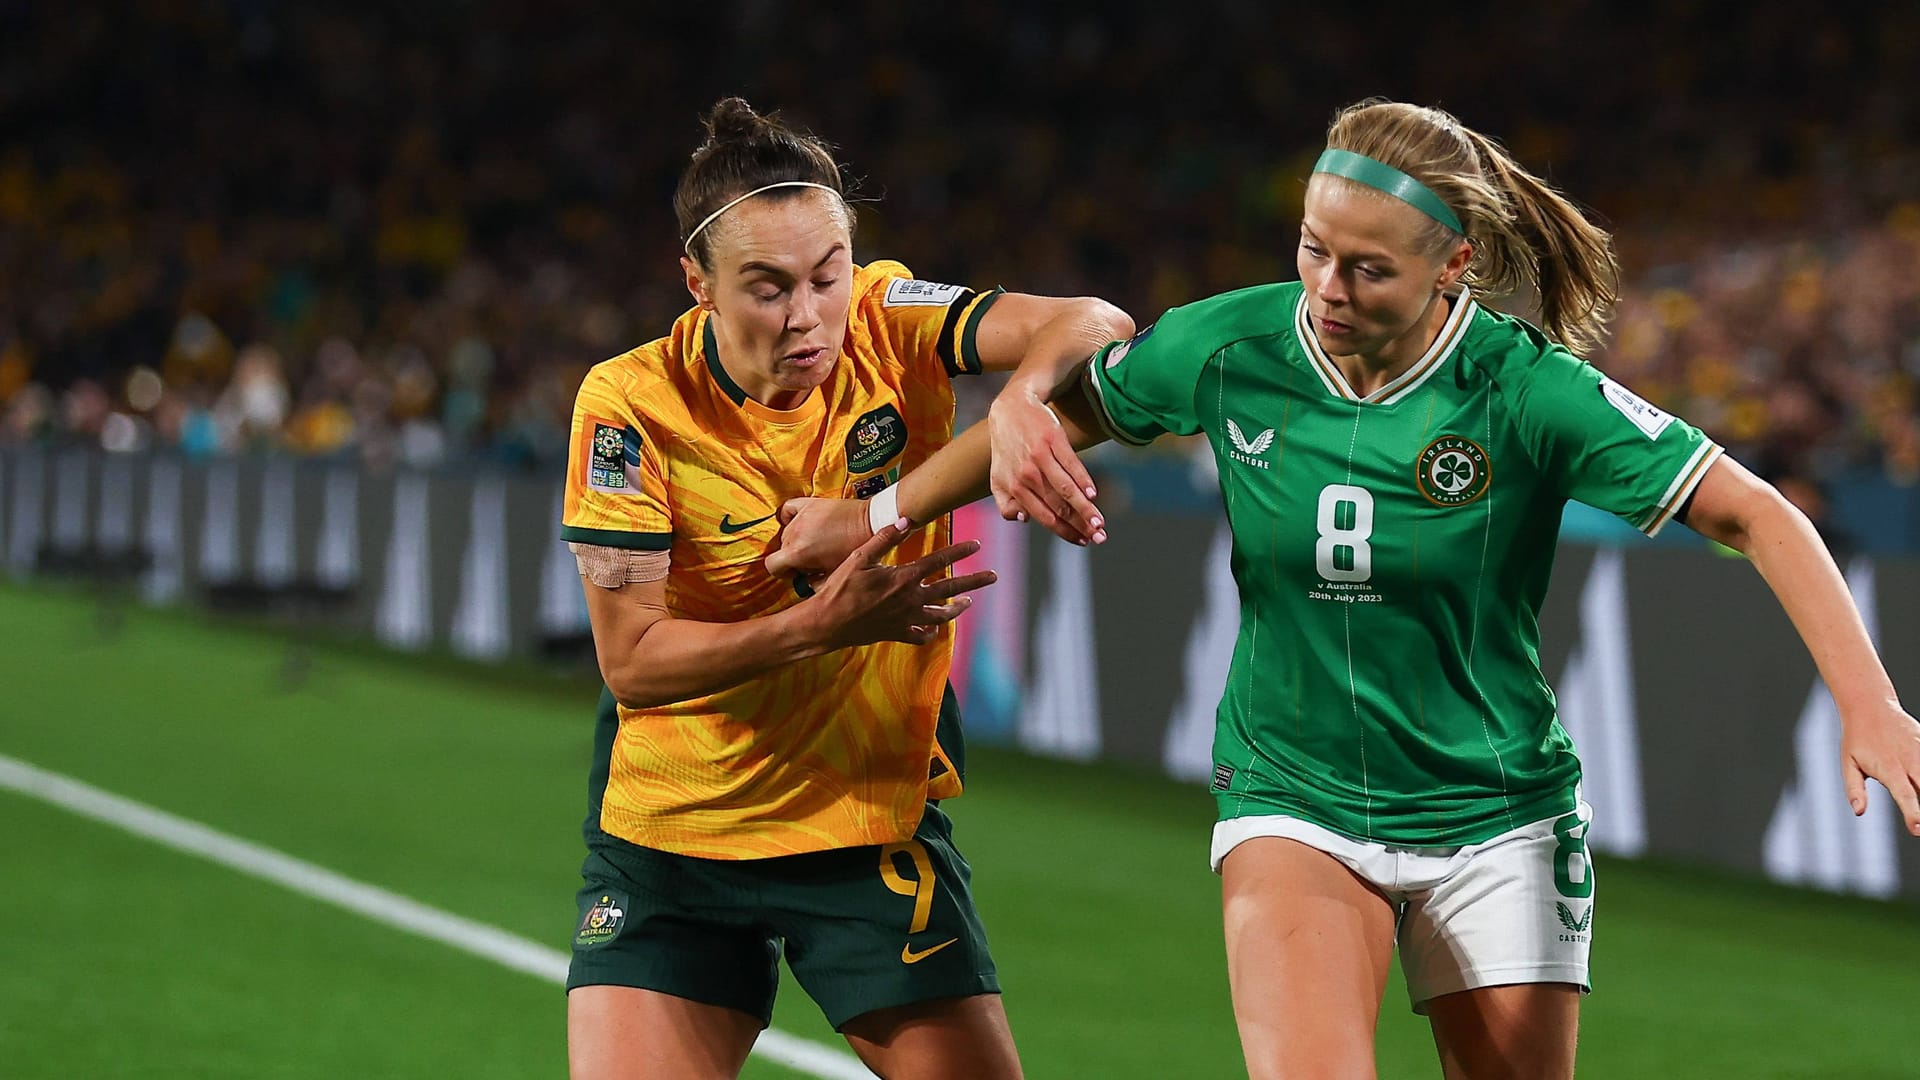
(1455, 266)
(697, 283)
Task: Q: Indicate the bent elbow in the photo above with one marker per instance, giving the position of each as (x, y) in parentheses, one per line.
(628, 695)
(1112, 323)
(629, 685)
(632, 690)
(621, 685)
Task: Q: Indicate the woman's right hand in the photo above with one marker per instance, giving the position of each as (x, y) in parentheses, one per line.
(866, 600)
(1035, 472)
(817, 535)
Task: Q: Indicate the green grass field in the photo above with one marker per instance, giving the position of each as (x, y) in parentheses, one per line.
(462, 787)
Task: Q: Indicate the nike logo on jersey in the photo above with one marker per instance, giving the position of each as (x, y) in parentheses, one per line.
(730, 526)
(908, 956)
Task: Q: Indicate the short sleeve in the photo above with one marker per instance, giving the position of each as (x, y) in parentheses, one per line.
(928, 323)
(616, 492)
(1604, 445)
(1145, 387)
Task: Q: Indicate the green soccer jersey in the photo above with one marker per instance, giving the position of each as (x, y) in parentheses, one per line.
(1392, 552)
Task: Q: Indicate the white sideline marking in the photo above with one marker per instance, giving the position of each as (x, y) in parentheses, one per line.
(413, 917)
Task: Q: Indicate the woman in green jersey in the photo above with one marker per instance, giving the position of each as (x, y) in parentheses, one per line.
(1394, 458)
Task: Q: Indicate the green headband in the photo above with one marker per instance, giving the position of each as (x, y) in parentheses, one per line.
(1383, 177)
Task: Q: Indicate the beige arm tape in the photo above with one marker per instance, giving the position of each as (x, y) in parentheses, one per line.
(612, 567)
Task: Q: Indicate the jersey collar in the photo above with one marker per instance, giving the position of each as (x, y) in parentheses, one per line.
(720, 376)
(1451, 334)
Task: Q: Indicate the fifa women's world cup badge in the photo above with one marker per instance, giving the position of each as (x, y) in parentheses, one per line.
(613, 449)
(1453, 471)
(602, 922)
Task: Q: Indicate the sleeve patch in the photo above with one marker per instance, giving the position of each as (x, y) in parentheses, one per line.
(1649, 419)
(1119, 352)
(908, 292)
(1096, 392)
(613, 462)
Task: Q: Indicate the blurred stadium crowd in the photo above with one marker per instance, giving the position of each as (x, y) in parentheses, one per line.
(403, 232)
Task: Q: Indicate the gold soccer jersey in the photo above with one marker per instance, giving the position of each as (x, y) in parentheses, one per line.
(669, 454)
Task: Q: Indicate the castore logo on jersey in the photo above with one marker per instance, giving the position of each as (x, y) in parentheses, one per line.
(1247, 451)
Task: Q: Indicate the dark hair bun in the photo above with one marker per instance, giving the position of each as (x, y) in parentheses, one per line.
(732, 118)
(743, 153)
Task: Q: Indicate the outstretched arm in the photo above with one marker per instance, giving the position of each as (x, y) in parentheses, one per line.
(1046, 339)
(1043, 341)
(1040, 418)
(1878, 737)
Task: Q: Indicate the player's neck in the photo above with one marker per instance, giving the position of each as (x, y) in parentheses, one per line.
(754, 383)
(781, 400)
(1366, 373)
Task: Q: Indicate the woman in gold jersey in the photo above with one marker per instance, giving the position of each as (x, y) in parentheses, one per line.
(771, 746)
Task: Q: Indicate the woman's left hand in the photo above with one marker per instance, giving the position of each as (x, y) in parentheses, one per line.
(1036, 474)
(817, 535)
(1883, 742)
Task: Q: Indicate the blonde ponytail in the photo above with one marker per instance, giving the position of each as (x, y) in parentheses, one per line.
(1525, 234)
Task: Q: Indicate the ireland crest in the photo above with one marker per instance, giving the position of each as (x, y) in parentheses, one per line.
(1452, 471)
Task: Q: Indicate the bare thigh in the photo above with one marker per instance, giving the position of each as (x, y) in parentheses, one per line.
(626, 1033)
(1522, 1031)
(965, 1038)
(1308, 948)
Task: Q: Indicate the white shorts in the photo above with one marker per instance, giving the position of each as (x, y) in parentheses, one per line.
(1514, 909)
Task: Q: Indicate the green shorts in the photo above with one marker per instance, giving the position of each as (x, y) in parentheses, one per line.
(863, 928)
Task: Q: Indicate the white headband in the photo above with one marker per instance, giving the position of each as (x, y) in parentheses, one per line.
(744, 198)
